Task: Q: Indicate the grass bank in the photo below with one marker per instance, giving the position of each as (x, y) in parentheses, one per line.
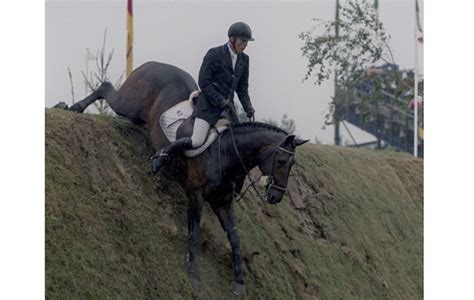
(351, 226)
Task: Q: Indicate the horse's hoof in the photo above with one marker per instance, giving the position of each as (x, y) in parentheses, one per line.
(61, 105)
(196, 284)
(238, 289)
(157, 161)
(154, 167)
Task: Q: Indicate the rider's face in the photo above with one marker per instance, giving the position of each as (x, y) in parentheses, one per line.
(240, 44)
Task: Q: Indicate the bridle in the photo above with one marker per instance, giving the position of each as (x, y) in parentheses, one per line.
(271, 184)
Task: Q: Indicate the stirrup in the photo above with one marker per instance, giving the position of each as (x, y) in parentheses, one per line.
(158, 160)
(161, 154)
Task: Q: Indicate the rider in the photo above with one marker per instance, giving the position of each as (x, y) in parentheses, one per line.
(223, 70)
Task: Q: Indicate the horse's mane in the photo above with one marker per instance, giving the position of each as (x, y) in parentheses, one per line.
(256, 126)
(245, 132)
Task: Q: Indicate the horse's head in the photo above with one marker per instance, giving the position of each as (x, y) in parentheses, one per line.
(277, 166)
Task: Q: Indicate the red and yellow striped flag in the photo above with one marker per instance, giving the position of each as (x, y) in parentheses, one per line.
(129, 38)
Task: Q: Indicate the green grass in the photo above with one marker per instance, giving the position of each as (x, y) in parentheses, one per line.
(350, 228)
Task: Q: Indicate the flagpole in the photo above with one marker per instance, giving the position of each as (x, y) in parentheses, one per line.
(415, 98)
(129, 38)
(418, 34)
(337, 137)
(89, 57)
(376, 7)
(87, 71)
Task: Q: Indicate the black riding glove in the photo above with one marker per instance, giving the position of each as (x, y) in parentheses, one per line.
(250, 113)
(225, 104)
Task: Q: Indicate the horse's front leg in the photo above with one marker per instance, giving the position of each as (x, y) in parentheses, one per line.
(227, 219)
(195, 204)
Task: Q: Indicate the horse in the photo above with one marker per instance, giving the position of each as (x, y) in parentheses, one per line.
(216, 175)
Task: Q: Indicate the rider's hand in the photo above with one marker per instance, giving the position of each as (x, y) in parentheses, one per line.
(250, 113)
(225, 104)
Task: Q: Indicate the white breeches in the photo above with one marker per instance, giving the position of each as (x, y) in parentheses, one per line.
(200, 130)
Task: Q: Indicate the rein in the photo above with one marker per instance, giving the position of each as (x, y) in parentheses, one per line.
(271, 184)
(252, 182)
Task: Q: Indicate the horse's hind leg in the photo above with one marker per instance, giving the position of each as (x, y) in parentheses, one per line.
(227, 219)
(195, 204)
(105, 91)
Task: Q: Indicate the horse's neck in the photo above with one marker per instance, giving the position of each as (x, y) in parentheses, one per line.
(252, 146)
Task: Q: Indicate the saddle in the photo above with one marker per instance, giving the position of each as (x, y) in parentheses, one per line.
(178, 122)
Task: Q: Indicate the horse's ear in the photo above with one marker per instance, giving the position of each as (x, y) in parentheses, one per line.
(299, 142)
(289, 141)
(292, 141)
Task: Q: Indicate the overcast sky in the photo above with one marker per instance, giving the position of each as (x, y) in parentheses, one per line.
(180, 33)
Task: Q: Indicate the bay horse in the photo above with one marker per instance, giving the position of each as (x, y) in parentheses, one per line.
(217, 174)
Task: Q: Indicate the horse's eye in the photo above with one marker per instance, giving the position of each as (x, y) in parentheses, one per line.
(281, 161)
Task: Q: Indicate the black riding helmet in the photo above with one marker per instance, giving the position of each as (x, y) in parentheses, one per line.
(242, 30)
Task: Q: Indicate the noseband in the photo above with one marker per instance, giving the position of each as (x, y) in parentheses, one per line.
(271, 184)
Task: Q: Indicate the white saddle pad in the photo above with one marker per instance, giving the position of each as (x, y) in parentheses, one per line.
(175, 116)
(171, 119)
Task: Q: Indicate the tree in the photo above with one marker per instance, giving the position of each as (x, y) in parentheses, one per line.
(93, 80)
(350, 47)
(100, 75)
(286, 124)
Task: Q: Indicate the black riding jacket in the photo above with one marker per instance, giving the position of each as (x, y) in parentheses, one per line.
(215, 80)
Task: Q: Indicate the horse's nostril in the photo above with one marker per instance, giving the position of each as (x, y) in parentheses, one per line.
(272, 198)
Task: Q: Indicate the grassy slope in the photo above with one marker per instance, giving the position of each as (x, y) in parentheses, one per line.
(352, 226)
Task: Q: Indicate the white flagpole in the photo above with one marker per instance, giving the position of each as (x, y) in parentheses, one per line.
(89, 57)
(415, 99)
(87, 71)
(418, 35)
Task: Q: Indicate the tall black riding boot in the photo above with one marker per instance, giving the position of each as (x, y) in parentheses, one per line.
(159, 159)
